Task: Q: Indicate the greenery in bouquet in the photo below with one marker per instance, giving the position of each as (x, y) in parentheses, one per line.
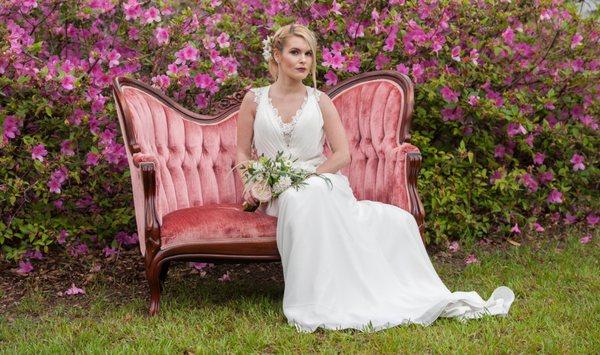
(266, 178)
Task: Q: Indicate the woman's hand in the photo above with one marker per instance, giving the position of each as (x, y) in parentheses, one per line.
(249, 199)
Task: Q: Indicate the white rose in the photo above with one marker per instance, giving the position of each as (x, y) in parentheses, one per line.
(261, 191)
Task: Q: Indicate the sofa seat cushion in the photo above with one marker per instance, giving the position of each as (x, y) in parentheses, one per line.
(217, 223)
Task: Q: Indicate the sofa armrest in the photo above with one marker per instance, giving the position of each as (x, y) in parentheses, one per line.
(139, 158)
(403, 188)
(151, 223)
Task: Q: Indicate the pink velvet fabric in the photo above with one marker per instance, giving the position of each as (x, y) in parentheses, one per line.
(215, 222)
(194, 161)
(371, 115)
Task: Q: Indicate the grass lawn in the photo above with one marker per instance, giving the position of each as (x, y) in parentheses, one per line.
(556, 283)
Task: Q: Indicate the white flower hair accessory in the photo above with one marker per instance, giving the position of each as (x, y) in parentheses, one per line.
(267, 48)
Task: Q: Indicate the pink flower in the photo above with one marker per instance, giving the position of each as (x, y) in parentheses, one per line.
(335, 8)
(546, 177)
(91, 159)
(474, 55)
(452, 114)
(555, 196)
(529, 140)
(34, 254)
(186, 53)
(201, 100)
(108, 251)
(496, 97)
(591, 219)
(113, 58)
(576, 40)
(151, 15)
(132, 10)
(333, 59)
(78, 250)
(449, 95)
(125, 239)
(25, 267)
(353, 65)
(499, 151)
(417, 71)
(529, 182)
(577, 65)
(538, 227)
(162, 81)
(67, 82)
(586, 238)
(473, 100)
(54, 186)
(199, 266)
(74, 290)
(161, 35)
(515, 129)
(515, 229)
(577, 161)
(402, 69)
(381, 61)
(454, 247)
(331, 78)
(11, 127)
(66, 148)
(225, 277)
(223, 40)
(456, 53)
(570, 219)
(39, 152)
(356, 30)
(203, 81)
(508, 35)
(62, 236)
(58, 204)
(133, 33)
(496, 175)
(539, 158)
(390, 41)
(471, 259)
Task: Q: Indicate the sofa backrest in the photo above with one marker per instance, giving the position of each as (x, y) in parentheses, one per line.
(375, 109)
(196, 153)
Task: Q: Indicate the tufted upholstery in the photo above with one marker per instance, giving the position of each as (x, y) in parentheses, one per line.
(194, 160)
(370, 113)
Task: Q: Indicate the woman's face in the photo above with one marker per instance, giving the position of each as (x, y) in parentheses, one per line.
(296, 59)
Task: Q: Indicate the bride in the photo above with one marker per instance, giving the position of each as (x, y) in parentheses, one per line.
(346, 263)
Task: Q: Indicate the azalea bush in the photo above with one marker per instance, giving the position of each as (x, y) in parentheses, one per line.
(506, 103)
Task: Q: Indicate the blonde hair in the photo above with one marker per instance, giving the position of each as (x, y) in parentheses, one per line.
(279, 39)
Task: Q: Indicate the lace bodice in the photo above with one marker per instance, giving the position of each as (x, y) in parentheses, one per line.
(302, 138)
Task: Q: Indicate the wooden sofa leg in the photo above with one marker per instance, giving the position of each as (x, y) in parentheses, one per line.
(163, 274)
(153, 276)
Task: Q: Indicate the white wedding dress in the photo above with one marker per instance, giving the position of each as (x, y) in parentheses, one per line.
(348, 263)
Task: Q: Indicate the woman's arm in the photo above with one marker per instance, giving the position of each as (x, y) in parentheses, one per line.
(336, 135)
(245, 133)
(245, 128)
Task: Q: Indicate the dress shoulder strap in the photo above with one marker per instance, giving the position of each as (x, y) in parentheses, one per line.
(256, 92)
(317, 93)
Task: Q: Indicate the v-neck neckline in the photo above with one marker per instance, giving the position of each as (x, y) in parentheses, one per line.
(295, 117)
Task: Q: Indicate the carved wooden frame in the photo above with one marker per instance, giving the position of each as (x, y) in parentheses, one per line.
(157, 261)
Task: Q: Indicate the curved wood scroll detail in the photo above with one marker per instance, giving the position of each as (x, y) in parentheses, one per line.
(416, 207)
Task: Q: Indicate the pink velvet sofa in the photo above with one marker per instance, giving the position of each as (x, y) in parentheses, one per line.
(188, 203)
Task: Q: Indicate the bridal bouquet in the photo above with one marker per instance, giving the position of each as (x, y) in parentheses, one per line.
(267, 178)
